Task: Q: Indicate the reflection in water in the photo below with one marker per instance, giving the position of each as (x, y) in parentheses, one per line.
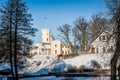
(85, 78)
(99, 78)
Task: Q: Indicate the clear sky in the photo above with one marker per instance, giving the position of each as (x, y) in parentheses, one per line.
(53, 13)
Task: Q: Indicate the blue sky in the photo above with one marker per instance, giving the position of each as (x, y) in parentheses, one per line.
(54, 13)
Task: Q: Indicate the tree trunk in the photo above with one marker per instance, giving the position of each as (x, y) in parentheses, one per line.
(116, 54)
(10, 48)
(113, 67)
(15, 52)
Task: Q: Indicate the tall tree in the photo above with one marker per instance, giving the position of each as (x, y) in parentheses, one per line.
(75, 34)
(65, 31)
(19, 25)
(82, 35)
(114, 8)
(98, 24)
(6, 32)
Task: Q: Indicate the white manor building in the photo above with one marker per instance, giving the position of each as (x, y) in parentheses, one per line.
(49, 46)
(103, 43)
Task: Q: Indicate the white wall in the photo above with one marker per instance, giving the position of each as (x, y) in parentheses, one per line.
(55, 47)
(46, 35)
(100, 44)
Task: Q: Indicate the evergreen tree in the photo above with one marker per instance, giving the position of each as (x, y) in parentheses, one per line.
(16, 27)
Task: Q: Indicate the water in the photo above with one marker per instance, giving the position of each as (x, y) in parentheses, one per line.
(63, 78)
(86, 78)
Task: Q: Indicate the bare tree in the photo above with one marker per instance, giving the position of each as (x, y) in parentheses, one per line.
(75, 34)
(98, 24)
(65, 31)
(114, 8)
(82, 35)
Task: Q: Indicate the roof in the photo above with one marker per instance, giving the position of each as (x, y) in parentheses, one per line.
(106, 31)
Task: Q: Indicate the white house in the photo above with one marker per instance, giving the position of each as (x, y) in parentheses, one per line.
(103, 43)
(66, 49)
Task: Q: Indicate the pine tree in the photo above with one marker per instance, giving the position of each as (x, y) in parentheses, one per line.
(16, 21)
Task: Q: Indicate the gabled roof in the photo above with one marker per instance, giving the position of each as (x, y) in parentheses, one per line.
(106, 31)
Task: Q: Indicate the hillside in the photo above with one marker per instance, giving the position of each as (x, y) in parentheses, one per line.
(42, 64)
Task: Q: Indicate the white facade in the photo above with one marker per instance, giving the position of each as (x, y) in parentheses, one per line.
(46, 35)
(56, 47)
(48, 46)
(102, 44)
(66, 49)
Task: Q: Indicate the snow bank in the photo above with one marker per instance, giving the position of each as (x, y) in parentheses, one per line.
(42, 64)
(58, 66)
(36, 63)
(87, 60)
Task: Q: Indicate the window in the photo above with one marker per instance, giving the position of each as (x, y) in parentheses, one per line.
(55, 51)
(68, 46)
(107, 37)
(42, 49)
(103, 49)
(103, 37)
(66, 52)
(55, 45)
(112, 47)
(62, 52)
(100, 38)
(36, 47)
(35, 53)
(47, 39)
(97, 50)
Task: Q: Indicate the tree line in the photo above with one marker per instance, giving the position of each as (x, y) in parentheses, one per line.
(83, 32)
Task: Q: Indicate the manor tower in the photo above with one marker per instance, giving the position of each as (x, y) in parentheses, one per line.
(46, 36)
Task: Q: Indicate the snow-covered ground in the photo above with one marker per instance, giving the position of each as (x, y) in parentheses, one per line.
(37, 64)
(41, 64)
(88, 60)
